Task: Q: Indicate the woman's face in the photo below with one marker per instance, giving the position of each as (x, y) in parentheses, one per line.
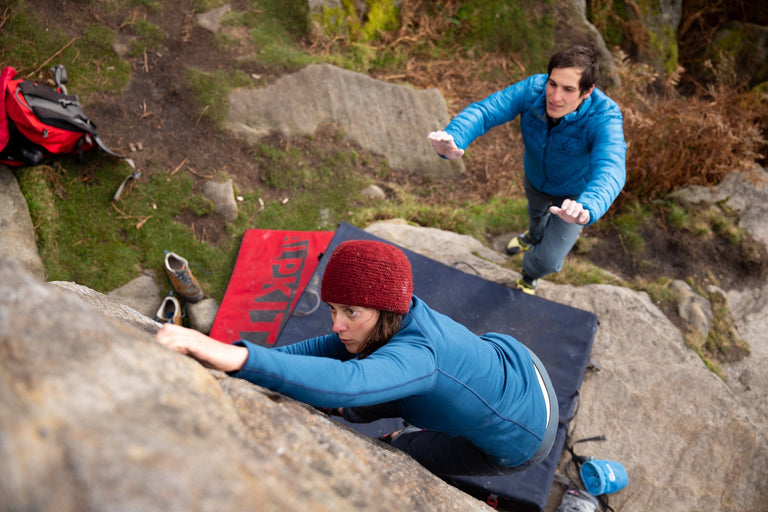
(353, 324)
(563, 94)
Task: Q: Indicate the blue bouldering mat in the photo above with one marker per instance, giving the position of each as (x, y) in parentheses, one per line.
(560, 335)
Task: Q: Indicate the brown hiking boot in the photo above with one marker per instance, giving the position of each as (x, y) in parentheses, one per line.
(169, 311)
(181, 278)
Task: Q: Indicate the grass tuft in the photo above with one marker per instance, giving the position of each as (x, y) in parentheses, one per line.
(114, 242)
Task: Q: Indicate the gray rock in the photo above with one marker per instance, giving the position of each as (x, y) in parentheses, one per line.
(110, 420)
(373, 192)
(694, 309)
(202, 314)
(674, 425)
(573, 27)
(661, 18)
(222, 195)
(122, 46)
(749, 378)
(671, 422)
(18, 235)
(211, 20)
(744, 193)
(141, 294)
(365, 109)
(108, 307)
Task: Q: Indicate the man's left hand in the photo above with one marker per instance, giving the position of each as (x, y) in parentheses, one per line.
(572, 212)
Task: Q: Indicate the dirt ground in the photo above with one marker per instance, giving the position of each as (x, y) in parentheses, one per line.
(159, 115)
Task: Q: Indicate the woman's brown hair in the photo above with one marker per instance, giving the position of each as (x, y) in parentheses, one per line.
(386, 326)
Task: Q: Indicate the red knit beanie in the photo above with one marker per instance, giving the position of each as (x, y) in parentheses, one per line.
(369, 274)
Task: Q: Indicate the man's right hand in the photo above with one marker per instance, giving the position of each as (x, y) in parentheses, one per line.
(444, 145)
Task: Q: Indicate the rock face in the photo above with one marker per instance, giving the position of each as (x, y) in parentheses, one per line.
(671, 422)
(745, 195)
(18, 237)
(680, 432)
(461, 251)
(364, 109)
(94, 415)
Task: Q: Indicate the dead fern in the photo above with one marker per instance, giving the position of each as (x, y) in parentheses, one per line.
(674, 141)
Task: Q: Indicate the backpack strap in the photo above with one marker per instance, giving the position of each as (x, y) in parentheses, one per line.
(134, 173)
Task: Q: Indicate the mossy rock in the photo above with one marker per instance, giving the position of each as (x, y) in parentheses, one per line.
(746, 43)
(358, 21)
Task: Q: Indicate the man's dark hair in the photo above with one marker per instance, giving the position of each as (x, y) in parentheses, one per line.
(582, 57)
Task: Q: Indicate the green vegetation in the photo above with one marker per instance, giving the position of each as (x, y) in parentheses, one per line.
(580, 272)
(276, 27)
(86, 238)
(609, 16)
(152, 6)
(628, 228)
(345, 21)
(148, 36)
(721, 343)
(211, 90)
(32, 50)
(317, 198)
(509, 27)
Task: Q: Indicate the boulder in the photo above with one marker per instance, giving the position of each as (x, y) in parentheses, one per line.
(109, 306)
(18, 236)
(694, 309)
(363, 108)
(211, 20)
(745, 194)
(95, 415)
(222, 195)
(686, 441)
(140, 293)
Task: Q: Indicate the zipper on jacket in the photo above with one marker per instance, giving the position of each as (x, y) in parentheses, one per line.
(544, 146)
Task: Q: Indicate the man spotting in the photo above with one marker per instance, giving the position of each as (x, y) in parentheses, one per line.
(574, 158)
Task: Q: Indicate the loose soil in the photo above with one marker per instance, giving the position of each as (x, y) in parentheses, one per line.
(157, 114)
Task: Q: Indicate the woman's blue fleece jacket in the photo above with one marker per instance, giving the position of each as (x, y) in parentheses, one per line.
(440, 375)
(584, 156)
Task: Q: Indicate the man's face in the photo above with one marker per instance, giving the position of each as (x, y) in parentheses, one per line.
(563, 96)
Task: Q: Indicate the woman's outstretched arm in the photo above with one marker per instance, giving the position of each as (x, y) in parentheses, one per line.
(209, 352)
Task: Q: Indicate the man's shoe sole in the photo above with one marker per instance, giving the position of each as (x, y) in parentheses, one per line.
(516, 246)
(525, 287)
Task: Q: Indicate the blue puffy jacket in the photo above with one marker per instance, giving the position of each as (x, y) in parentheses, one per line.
(439, 375)
(584, 156)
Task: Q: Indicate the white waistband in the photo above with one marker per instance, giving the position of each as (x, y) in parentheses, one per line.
(544, 391)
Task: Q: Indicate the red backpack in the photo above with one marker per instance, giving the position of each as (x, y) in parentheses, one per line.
(37, 121)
